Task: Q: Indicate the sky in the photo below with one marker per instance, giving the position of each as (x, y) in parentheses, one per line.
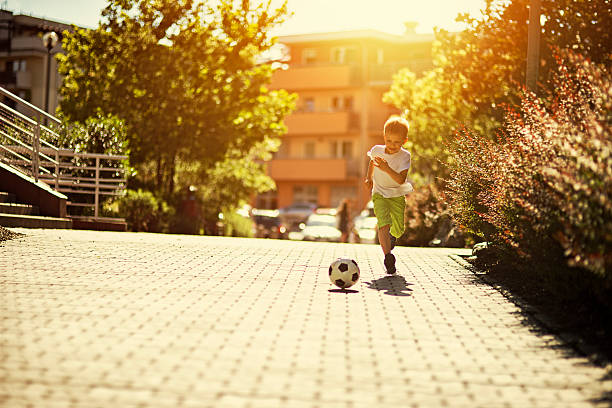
(309, 16)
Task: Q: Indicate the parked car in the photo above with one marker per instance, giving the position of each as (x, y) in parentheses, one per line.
(267, 224)
(365, 230)
(295, 214)
(321, 227)
(368, 211)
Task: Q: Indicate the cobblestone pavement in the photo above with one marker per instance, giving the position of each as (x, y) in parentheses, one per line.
(98, 319)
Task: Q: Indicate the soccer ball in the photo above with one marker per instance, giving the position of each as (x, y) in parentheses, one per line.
(344, 273)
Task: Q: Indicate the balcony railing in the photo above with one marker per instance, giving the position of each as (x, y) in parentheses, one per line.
(316, 123)
(383, 73)
(332, 76)
(319, 169)
(302, 77)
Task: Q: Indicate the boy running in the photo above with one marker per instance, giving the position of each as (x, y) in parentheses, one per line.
(386, 177)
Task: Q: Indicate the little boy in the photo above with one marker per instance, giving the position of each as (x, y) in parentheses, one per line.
(386, 177)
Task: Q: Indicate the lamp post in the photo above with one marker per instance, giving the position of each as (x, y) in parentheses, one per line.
(49, 40)
(533, 45)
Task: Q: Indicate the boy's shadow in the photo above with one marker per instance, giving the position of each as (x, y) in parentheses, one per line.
(394, 285)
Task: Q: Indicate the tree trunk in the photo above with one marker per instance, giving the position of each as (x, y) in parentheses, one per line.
(160, 174)
(172, 172)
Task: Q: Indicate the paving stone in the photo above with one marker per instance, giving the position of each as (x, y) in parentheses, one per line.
(92, 319)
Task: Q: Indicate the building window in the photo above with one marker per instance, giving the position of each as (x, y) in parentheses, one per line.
(309, 105)
(342, 103)
(283, 150)
(348, 103)
(309, 150)
(267, 200)
(309, 56)
(16, 66)
(347, 149)
(343, 55)
(336, 103)
(306, 194)
(341, 149)
(380, 56)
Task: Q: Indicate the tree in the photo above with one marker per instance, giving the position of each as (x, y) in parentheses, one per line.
(482, 68)
(185, 79)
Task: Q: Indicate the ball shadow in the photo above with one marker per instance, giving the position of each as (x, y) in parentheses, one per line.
(343, 291)
(393, 285)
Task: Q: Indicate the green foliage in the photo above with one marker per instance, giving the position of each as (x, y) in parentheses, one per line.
(144, 212)
(99, 133)
(235, 225)
(428, 220)
(433, 107)
(544, 187)
(185, 79)
(231, 181)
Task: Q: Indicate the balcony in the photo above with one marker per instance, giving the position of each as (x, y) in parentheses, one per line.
(312, 169)
(383, 74)
(27, 43)
(310, 77)
(24, 79)
(318, 123)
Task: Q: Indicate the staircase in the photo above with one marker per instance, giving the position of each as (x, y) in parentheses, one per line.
(13, 214)
(42, 186)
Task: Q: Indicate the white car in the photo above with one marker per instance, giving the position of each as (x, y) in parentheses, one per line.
(366, 230)
(321, 227)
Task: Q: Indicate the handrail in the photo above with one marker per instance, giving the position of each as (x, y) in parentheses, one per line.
(92, 176)
(28, 105)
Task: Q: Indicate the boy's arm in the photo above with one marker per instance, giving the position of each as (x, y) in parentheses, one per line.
(368, 179)
(399, 178)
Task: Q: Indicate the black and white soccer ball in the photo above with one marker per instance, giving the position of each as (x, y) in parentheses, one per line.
(344, 273)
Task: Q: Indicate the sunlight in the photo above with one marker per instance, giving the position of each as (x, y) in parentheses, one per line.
(384, 15)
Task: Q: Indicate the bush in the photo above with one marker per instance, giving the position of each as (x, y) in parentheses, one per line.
(543, 186)
(236, 225)
(144, 212)
(428, 220)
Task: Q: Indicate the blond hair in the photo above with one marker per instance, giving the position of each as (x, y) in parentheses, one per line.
(397, 125)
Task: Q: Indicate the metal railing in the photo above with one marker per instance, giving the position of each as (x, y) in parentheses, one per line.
(22, 136)
(85, 178)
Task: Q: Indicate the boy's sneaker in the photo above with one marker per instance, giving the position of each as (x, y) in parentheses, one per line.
(393, 239)
(390, 263)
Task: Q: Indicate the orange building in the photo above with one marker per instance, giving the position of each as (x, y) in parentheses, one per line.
(340, 79)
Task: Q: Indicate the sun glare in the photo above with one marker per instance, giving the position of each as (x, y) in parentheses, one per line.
(390, 16)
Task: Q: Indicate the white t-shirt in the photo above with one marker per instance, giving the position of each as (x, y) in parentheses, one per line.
(382, 182)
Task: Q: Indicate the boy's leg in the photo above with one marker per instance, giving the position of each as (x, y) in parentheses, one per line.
(383, 210)
(383, 218)
(385, 238)
(385, 243)
(397, 205)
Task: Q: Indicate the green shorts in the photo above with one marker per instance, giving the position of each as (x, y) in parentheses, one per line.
(390, 211)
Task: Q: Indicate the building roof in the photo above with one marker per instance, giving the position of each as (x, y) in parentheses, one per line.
(354, 35)
(38, 23)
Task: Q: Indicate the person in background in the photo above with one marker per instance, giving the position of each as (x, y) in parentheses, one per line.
(343, 216)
